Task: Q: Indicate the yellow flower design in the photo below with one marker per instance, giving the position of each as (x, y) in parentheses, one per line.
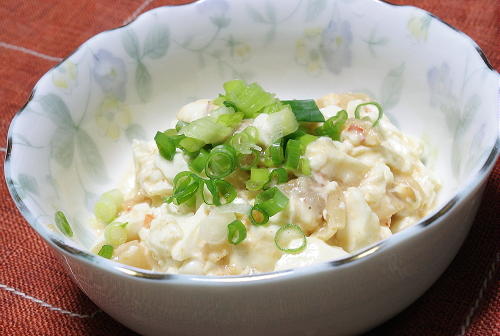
(112, 117)
(242, 51)
(64, 77)
(307, 50)
(418, 26)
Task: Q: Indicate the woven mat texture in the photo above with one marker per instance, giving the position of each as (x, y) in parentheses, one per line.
(38, 298)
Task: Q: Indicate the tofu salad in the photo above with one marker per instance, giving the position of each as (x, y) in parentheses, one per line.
(248, 183)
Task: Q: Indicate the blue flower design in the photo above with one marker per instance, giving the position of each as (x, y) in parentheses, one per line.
(110, 73)
(440, 87)
(335, 46)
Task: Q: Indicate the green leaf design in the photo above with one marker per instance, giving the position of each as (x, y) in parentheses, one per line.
(157, 42)
(62, 146)
(130, 43)
(143, 82)
(456, 153)
(221, 21)
(392, 85)
(56, 110)
(28, 183)
(470, 108)
(135, 131)
(91, 160)
(255, 15)
(19, 139)
(314, 9)
(271, 12)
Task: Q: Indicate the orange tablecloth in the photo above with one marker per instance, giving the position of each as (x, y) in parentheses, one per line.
(38, 298)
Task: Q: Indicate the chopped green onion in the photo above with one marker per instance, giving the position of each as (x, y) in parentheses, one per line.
(221, 192)
(276, 153)
(185, 186)
(221, 161)
(105, 210)
(288, 233)
(248, 161)
(245, 141)
(170, 132)
(115, 234)
(305, 110)
(304, 167)
(249, 99)
(258, 216)
(306, 139)
(297, 134)
(180, 124)
(272, 127)
(108, 205)
(106, 251)
(377, 105)
(221, 111)
(272, 201)
(114, 195)
(165, 145)
(198, 163)
(293, 153)
(219, 101)
(274, 107)
(228, 103)
(333, 126)
(258, 178)
(62, 224)
(236, 232)
(278, 176)
(230, 119)
(191, 144)
(207, 130)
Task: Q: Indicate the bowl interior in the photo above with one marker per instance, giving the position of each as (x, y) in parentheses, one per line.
(129, 82)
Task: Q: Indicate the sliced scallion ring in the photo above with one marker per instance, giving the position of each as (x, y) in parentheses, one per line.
(357, 112)
(290, 233)
(218, 192)
(115, 234)
(258, 216)
(198, 163)
(277, 176)
(333, 126)
(185, 186)
(236, 232)
(258, 178)
(245, 141)
(221, 162)
(272, 201)
(248, 161)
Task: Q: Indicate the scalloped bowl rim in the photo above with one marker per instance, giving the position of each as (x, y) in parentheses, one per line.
(134, 272)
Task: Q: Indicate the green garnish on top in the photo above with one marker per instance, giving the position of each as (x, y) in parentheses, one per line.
(267, 151)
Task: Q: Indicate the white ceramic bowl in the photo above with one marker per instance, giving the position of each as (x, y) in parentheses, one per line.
(72, 141)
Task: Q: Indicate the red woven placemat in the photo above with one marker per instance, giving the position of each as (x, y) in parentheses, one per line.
(38, 298)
